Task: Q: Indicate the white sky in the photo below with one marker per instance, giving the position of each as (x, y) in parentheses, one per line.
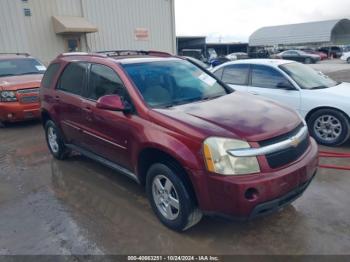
(236, 20)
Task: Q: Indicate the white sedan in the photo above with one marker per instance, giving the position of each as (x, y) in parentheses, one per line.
(346, 57)
(323, 102)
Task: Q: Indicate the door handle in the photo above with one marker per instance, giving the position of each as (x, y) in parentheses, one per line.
(57, 98)
(254, 93)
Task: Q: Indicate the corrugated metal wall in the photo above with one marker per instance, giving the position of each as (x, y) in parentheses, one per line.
(115, 19)
(124, 17)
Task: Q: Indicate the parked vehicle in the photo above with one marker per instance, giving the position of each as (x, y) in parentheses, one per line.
(237, 56)
(346, 57)
(323, 102)
(254, 52)
(199, 54)
(195, 53)
(198, 62)
(196, 145)
(299, 56)
(20, 76)
(322, 55)
(218, 61)
(332, 51)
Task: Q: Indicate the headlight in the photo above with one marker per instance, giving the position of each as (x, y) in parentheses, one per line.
(8, 96)
(219, 161)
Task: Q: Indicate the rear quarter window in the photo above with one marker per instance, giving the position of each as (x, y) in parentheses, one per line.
(49, 75)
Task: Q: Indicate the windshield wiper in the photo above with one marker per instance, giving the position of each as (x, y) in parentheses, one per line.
(187, 101)
(30, 73)
(319, 87)
(211, 97)
(7, 75)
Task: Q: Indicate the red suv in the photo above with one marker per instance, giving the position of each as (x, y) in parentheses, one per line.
(198, 146)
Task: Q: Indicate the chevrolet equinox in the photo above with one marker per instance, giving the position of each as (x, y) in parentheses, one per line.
(198, 146)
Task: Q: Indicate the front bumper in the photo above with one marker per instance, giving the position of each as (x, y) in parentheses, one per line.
(278, 203)
(229, 195)
(15, 111)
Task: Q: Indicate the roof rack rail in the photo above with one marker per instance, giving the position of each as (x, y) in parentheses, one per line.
(111, 53)
(24, 54)
(79, 54)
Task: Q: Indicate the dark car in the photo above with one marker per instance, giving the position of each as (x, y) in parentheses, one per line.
(322, 55)
(196, 145)
(332, 51)
(299, 56)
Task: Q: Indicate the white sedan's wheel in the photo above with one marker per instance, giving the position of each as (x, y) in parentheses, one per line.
(329, 127)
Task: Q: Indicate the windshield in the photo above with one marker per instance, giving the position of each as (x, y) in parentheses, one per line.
(173, 82)
(25, 66)
(306, 77)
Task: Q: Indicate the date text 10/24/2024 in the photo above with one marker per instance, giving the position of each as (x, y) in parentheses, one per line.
(173, 258)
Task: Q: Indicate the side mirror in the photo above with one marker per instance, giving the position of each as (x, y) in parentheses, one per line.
(113, 103)
(285, 85)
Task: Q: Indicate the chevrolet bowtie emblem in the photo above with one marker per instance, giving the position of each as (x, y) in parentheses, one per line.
(295, 141)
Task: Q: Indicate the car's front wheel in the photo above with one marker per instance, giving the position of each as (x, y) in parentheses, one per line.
(348, 60)
(55, 141)
(329, 127)
(170, 198)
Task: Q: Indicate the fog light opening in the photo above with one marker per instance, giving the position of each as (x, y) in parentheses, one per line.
(251, 194)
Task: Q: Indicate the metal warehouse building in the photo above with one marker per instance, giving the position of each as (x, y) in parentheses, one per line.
(45, 28)
(336, 32)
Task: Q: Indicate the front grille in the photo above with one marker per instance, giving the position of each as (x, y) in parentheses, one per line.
(289, 155)
(29, 99)
(29, 95)
(34, 90)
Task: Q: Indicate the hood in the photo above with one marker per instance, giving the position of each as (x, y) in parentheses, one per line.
(13, 83)
(236, 115)
(342, 91)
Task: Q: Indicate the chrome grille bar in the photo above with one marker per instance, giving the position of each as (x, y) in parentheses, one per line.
(293, 141)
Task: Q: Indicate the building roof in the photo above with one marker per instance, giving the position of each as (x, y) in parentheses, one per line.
(331, 31)
(72, 24)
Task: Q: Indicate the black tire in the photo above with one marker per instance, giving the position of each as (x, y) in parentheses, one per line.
(348, 60)
(308, 60)
(188, 213)
(344, 134)
(62, 151)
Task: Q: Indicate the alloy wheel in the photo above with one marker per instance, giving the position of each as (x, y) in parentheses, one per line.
(328, 128)
(52, 139)
(165, 197)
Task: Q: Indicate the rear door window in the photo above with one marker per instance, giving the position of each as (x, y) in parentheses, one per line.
(73, 78)
(266, 77)
(236, 74)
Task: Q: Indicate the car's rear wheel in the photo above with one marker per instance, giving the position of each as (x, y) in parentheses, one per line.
(55, 141)
(170, 198)
(329, 127)
(348, 60)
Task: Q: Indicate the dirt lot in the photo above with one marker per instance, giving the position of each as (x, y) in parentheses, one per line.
(80, 207)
